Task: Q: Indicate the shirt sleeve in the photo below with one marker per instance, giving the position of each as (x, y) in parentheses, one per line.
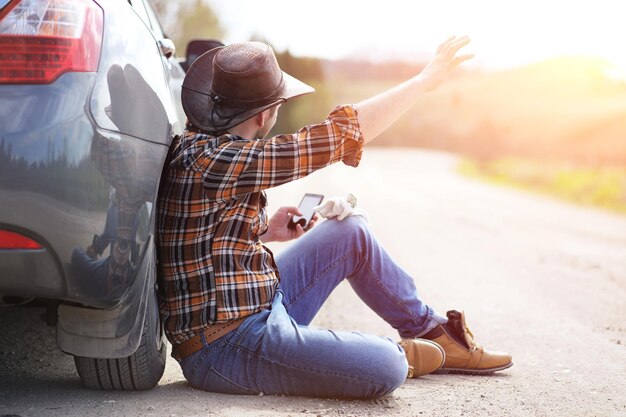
(245, 166)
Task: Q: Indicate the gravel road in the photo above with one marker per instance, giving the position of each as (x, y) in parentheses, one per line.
(539, 278)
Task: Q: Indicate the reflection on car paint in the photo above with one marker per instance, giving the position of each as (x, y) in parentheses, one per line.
(128, 173)
(142, 60)
(80, 163)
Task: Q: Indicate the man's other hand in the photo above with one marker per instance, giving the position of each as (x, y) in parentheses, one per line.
(278, 229)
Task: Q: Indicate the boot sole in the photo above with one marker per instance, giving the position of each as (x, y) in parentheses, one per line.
(472, 371)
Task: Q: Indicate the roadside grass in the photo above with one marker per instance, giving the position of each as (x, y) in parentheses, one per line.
(603, 187)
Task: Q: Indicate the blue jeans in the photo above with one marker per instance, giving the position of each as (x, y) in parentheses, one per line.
(275, 352)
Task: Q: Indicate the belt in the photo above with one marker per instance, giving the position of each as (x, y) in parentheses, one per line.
(211, 334)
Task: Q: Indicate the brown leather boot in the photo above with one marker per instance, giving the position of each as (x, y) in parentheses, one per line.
(423, 356)
(463, 355)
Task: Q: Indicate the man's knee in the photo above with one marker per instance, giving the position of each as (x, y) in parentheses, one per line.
(354, 228)
(391, 369)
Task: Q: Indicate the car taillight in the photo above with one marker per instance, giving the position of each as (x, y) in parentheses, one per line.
(42, 39)
(13, 240)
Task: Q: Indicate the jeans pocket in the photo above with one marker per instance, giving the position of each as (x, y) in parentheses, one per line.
(194, 366)
(217, 382)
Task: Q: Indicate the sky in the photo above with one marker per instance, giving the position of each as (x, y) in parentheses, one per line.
(504, 33)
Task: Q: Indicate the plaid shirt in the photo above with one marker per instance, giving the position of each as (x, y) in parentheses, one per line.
(211, 215)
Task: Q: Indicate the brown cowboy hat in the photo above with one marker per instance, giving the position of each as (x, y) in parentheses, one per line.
(227, 85)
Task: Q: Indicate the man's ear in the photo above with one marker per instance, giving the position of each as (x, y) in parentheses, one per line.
(260, 118)
(263, 117)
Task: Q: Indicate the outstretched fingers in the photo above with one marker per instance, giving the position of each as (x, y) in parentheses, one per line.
(450, 47)
(444, 44)
(461, 58)
(459, 43)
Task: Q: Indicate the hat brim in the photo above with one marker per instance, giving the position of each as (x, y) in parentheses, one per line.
(200, 109)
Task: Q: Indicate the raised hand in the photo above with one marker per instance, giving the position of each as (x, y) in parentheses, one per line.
(444, 62)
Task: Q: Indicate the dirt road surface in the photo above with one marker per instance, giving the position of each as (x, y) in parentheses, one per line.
(541, 279)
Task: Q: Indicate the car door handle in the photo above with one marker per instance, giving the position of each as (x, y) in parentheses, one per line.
(167, 47)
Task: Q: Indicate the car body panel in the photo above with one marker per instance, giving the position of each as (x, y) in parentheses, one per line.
(80, 163)
(49, 187)
(131, 93)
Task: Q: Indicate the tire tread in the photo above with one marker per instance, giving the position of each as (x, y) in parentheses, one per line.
(140, 371)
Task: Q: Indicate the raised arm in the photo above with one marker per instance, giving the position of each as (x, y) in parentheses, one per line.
(377, 113)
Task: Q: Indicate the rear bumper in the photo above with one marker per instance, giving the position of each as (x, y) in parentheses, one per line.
(34, 273)
(55, 225)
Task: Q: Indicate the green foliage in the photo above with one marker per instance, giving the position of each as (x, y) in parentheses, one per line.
(597, 186)
(308, 109)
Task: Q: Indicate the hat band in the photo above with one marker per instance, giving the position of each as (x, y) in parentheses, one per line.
(219, 121)
(242, 103)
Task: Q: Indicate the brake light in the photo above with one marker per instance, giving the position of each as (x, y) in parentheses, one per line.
(12, 240)
(42, 39)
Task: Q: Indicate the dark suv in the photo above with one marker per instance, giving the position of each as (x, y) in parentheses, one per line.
(89, 103)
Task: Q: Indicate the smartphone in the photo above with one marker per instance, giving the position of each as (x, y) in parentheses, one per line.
(309, 201)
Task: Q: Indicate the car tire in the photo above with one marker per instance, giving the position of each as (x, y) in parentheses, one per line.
(140, 371)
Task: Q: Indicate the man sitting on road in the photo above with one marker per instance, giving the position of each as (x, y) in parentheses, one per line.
(236, 316)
